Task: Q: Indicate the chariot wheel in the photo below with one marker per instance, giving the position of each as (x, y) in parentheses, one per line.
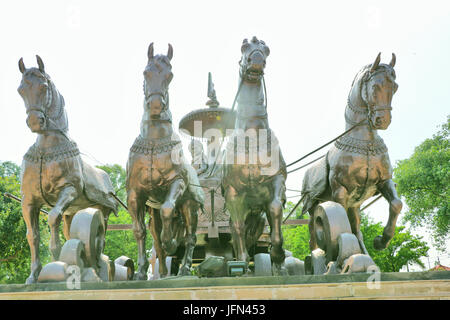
(87, 226)
(330, 220)
(263, 265)
(106, 268)
(124, 269)
(73, 253)
(294, 266)
(348, 245)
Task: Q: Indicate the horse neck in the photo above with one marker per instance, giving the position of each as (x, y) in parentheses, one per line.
(154, 129)
(251, 100)
(56, 112)
(50, 139)
(364, 131)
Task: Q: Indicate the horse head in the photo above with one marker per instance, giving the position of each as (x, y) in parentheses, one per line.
(373, 89)
(157, 77)
(44, 104)
(253, 60)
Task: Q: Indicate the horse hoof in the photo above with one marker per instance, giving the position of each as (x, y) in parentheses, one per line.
(279, 270)
(378, 243)
(31, 280)
(139, 276)
(184, 271)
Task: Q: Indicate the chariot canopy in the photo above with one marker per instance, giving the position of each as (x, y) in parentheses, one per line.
(212, 117)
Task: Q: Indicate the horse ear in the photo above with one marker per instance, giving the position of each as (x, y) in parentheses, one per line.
(376, 63)
(266, 50)
(150, 51)
(40, 64)
(244, 45)
(392, 63)
(170, 52)
(21, 65)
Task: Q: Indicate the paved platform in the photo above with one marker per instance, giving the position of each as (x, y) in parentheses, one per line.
(413, 285)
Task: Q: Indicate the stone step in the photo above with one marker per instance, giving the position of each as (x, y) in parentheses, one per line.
(418, 289)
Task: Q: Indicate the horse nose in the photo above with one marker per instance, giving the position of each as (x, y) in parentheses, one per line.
(156, 104)
(258, 61)
(35, 120)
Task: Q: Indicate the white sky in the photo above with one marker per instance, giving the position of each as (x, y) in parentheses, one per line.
(96, 52)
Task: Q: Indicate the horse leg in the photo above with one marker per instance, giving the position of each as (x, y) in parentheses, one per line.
(105, 213)
(235, 203)
(136, 208)
(275, 211)
(30, 214)
(354, 218)
(312, 233)
(387, 189)
(254, 229)
(167, 210)
(155, 229)
(189, 211)
(65, 198)
(67, 222)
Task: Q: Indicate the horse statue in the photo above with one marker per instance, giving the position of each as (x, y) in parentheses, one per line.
(252, 184)
(53, 173)
(357, 166)
(158, 174)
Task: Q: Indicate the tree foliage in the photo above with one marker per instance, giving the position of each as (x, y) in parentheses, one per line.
(296, 238)
(423, 180)
(14, 248)
(121, 242)
(404, 248)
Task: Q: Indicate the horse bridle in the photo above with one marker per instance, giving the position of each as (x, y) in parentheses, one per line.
(163, 95)
(48, 119)
(370, 110)
(248, 57)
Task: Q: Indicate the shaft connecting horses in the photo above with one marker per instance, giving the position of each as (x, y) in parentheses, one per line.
(158, 174)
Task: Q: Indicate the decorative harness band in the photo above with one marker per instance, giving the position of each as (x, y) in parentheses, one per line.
(162, 145)
(365, 147)
(60, 152)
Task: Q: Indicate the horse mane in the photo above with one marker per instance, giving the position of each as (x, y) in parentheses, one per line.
(57, 112)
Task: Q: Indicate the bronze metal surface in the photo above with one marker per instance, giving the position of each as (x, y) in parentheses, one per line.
(249, 194)
(53, 174)
(357, 167)
(153, 174)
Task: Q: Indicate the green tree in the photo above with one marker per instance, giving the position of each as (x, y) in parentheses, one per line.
(118, 177)
(423, 180)
(296, 238)
(14, 249)
(404, 248)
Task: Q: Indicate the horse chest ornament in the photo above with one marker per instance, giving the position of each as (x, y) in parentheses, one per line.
(154, 147)
(359, 146)
(66, 150)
